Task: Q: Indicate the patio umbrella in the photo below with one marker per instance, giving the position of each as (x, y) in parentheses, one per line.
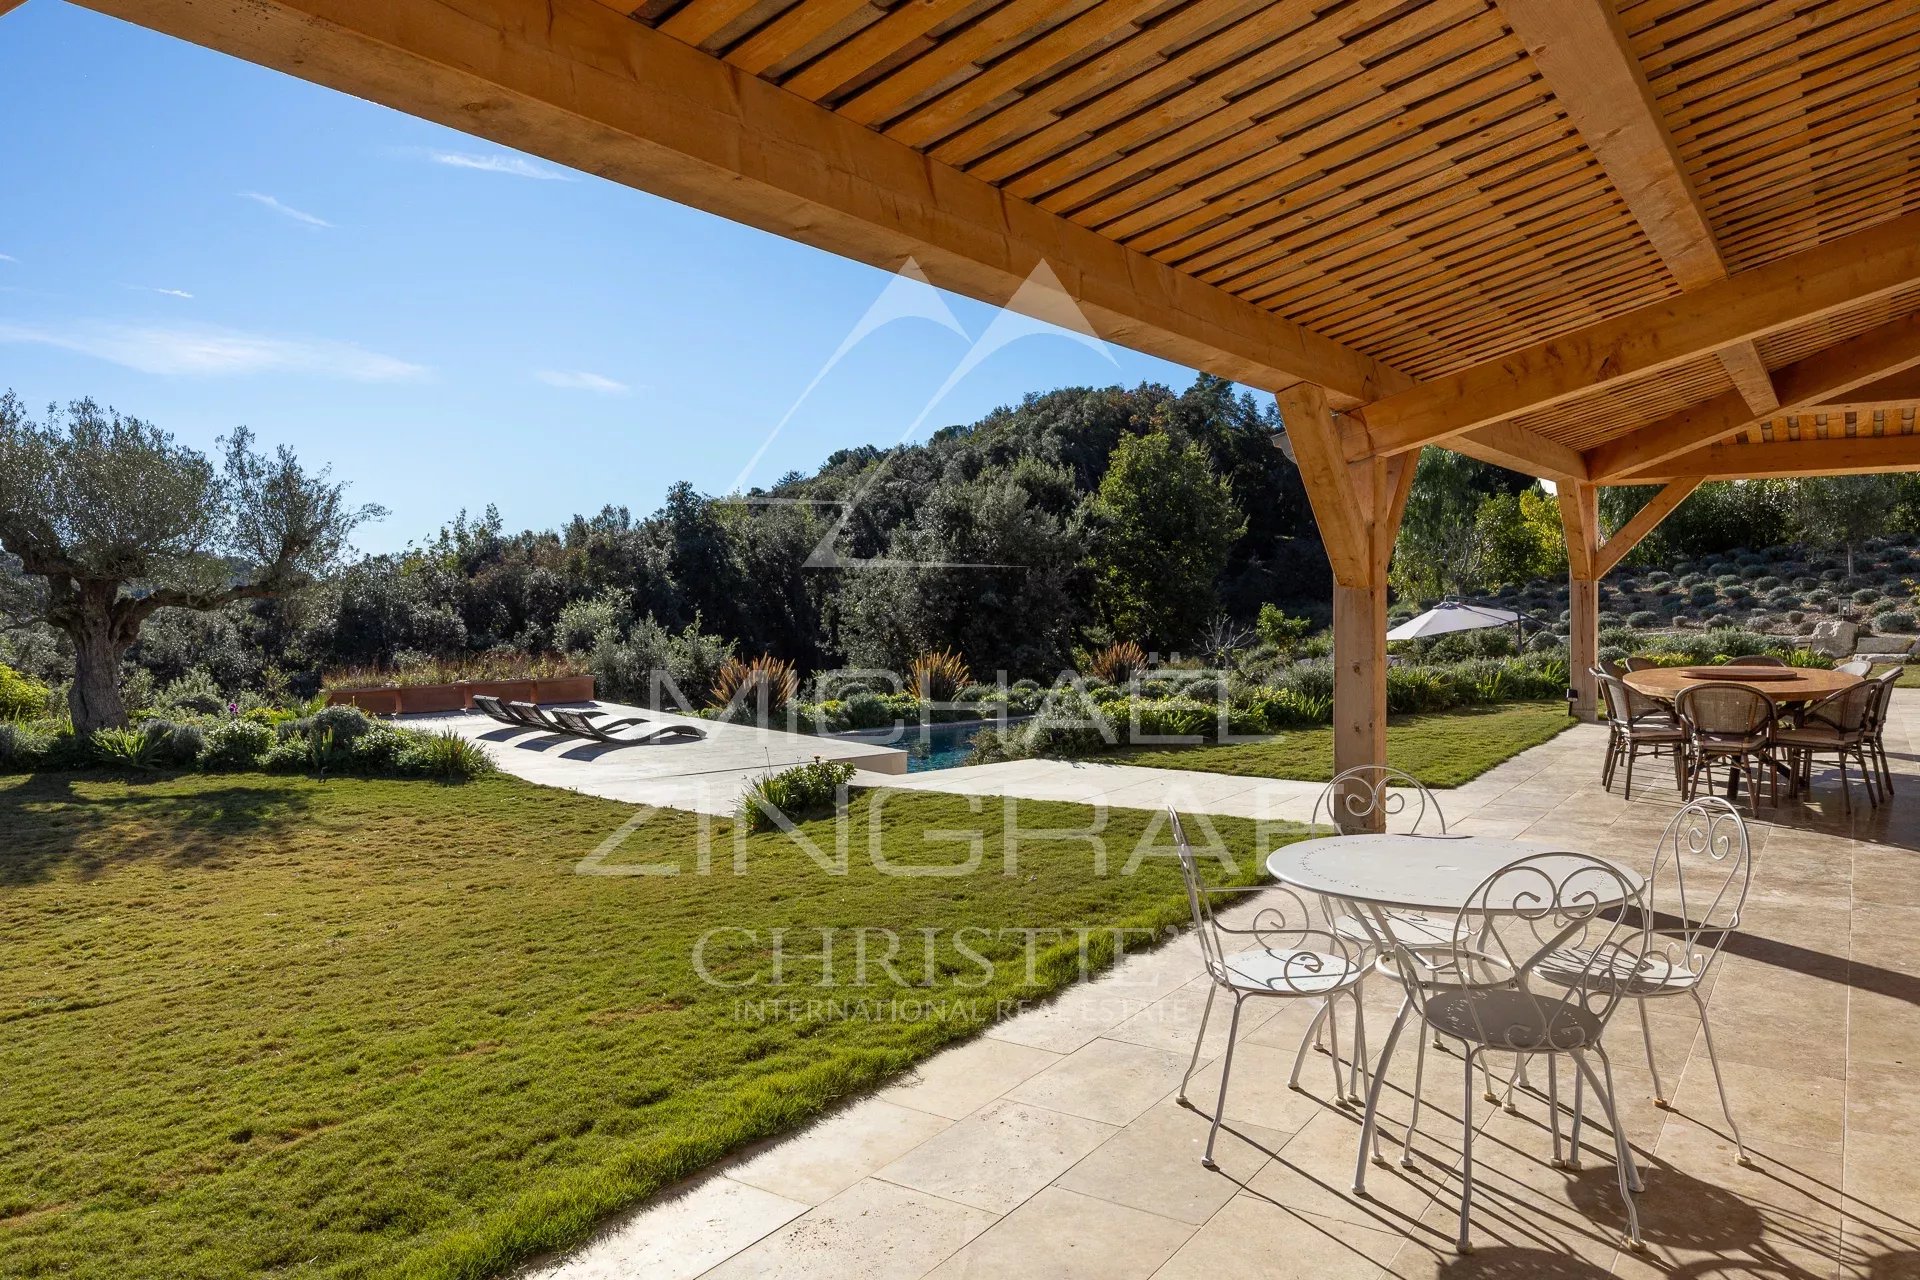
(1451, 615)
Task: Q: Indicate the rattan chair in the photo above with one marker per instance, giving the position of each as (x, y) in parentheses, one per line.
(1639, 664)
(1877, 731)
(1838, 725)
(1733, 723)
(1294, 956)
(1636, 724)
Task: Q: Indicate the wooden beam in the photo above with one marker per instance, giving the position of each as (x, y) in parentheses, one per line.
(1580, 519)
(1518, 449)
(1775, 459)
(1750, 377)
(1820, 377)
(1581, 47)
(8, 6)
(1330, 481)
(1815, 282)
(577, 83)
(1644, 521)
(1895, 391)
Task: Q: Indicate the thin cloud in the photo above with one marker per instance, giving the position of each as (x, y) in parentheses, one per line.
(298, 215)
(203, 351)
(7, 257)
(494, 162)
(171, 293)
(581, 380)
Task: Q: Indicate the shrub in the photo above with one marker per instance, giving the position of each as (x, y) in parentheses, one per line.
(1284, 632)
(1118, 663)
(1660, 588)
(1727, 580)
(1688, 581)
(235, 744)
(126, 749)
(1702, 593)
(174, 745)
(1643, 619)
(21, 697)
(193, 694)
(1897, 621)
(1739, 591)
(445, 755)
(938, 676)
(1865, 595)
(1545, 643)
(22, 750)
(765, 684)
(1820, 596)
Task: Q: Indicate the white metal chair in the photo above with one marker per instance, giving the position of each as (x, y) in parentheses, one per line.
(1855, 667)
(1565, 911)
(1692, 901)
(1293, 957)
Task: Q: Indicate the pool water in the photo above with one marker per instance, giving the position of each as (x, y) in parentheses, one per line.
(939, 746)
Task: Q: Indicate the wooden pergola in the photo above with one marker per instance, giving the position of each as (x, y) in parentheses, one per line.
(1604, 242)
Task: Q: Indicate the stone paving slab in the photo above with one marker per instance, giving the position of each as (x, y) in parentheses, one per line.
(1057, 1145)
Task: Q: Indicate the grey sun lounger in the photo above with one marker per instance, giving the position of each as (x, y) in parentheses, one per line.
(588, 726)
(537, 717)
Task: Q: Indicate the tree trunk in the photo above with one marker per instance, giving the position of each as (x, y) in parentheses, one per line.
(94, 699)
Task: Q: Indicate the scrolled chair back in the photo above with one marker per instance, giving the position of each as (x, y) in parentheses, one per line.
(1693, 898)
(1308, 952)
(1372, 797)
(1726, 710)
(1855, 667)
(1546, 949)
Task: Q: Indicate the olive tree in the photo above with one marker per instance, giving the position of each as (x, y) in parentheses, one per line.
(120, 521)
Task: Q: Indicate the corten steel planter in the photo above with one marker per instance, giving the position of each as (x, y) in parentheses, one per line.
(390, 700)
(376, 702)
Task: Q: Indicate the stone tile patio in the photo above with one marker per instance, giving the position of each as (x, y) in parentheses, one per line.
(1053, 1145)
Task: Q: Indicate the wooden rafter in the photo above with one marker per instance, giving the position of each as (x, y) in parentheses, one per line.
(1828, 456)
(1822, 377)
(1644, 521)
(1581, 48)
(578, 83)
(1899, 389)
(1856, 268)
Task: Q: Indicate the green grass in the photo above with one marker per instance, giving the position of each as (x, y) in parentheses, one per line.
(384, 1028)
(1442, 749)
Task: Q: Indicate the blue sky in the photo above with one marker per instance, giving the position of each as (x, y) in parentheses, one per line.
(203, 243)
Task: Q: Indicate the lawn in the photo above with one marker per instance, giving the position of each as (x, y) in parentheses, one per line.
(386, 1028)
(1443, 749)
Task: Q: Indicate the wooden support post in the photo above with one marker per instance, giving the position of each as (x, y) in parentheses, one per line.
(1358, 507)
(1580, 517)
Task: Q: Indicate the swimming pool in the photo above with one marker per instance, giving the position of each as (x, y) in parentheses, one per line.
(930, 746)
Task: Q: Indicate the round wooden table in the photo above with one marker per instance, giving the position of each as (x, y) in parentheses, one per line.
(1790, 686)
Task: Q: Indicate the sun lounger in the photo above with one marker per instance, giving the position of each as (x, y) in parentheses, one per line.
(589, 726)
(489, 706)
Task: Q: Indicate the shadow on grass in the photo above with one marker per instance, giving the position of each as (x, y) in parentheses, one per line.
(49, 825)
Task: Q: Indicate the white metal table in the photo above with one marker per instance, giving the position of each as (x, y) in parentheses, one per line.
(1381, 872)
